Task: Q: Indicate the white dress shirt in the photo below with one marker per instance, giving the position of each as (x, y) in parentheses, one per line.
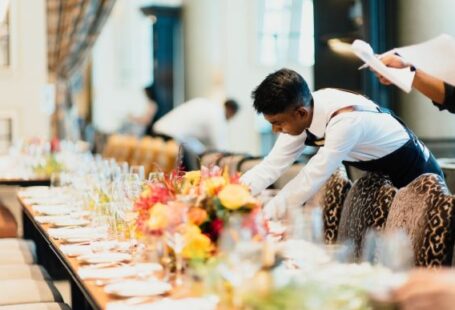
(199, 119)
(351, 136)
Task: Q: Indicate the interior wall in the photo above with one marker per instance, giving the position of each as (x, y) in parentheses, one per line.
(23, 86)
(220, 60)
(122, 66)
(420, 20)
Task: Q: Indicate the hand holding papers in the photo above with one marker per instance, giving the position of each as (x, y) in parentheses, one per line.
(401, 77)
(435, 57)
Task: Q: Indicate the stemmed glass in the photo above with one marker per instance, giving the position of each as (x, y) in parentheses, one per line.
(139, 171)
(174, 236)
(392, 249)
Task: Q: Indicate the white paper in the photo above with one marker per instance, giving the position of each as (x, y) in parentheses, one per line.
(401, 77)
(435, 57)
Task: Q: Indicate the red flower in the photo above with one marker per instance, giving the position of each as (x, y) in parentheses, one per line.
(216, 227)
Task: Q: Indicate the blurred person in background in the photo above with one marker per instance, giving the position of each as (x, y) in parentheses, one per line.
(139, 125)
(199, 123)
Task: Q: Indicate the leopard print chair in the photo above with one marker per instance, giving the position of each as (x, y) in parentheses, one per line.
(331, 198)
(425, 210)
(366, 206)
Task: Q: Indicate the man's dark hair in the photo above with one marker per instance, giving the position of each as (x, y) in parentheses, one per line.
(232, 105)
(281, 90)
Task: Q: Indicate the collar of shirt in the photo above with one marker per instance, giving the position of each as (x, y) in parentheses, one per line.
(326, 102)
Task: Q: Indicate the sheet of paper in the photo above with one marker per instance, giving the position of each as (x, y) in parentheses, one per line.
(401, 77)
(435, 56)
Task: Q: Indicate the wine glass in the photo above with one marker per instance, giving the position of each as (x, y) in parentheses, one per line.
(139, 171)
(392, 249)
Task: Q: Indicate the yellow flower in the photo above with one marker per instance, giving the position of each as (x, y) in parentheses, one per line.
(197, 245)
(234, 196)
(193, 177)
(213, 184)
(158, 217)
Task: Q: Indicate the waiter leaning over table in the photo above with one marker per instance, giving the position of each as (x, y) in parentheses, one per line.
(348, 127)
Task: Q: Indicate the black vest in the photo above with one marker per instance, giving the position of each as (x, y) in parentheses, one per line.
(402, 165)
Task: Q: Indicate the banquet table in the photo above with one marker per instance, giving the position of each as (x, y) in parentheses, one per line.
(85, 294)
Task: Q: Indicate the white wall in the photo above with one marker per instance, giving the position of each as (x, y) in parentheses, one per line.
(220, 60)
(22, 86)
(122, 59)
(420, 20)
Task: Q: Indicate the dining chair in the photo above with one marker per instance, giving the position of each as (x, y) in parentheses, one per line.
(366, 207)
(425, 210)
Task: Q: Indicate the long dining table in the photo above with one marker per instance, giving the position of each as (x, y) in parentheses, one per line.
(85, 294)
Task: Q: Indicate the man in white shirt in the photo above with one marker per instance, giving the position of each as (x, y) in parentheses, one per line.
(349, 128)
(200, 123)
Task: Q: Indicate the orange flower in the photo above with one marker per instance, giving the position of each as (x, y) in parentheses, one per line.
(197, 216)
(235, 196)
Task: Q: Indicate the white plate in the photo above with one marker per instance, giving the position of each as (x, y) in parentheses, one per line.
(107, 257)
(46, 200)
(78, 234)
(49, 219)
(138, 288)
(118, 272)
(73, 250)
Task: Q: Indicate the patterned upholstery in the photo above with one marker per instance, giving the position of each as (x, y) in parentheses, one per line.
(425, 210)
(331, 198)
(72, 29)
(366, 206)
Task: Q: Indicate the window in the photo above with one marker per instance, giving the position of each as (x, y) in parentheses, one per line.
(4, 33)
(286, 32)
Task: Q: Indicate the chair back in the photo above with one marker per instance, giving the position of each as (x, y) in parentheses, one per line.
(425, 210)
(366, 207)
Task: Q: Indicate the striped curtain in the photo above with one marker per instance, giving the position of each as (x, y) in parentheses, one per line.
(72, 29)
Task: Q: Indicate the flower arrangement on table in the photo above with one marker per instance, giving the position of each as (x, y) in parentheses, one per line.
(207, 198)
(48, 165)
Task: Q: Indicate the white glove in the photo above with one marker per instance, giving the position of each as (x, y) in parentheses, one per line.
(275, 209)
(278, 207)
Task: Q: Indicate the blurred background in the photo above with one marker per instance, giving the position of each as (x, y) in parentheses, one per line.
(79, 69)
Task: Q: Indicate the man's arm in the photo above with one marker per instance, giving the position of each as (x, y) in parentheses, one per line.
(428, 85)
(341, 137)
(285, 151)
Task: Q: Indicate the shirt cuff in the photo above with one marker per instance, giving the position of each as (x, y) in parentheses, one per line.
(449, 99)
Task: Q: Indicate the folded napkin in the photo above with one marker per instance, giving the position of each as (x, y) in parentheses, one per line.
(78, 233)
(145, 269)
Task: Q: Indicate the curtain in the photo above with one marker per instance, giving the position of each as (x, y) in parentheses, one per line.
(72, 28)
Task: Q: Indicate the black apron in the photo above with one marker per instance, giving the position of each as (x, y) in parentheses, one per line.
(402, 165)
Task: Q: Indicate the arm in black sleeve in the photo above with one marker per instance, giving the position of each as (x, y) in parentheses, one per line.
(449, 99)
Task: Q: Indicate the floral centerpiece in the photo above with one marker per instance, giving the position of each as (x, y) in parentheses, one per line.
(207, 198)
